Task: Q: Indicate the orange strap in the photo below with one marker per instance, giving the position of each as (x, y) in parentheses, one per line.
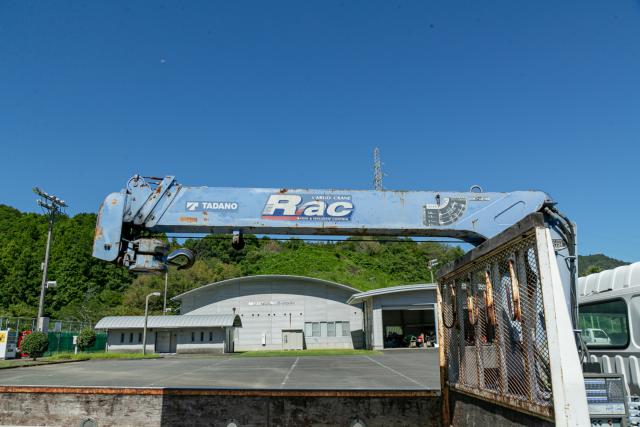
(515, 292)
(473, 316)
(488, 299)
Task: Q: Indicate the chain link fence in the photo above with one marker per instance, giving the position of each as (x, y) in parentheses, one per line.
(30, 324)
(61, 333)
(495, 338)
(62, 342)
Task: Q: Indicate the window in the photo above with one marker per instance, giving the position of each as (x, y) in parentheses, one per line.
(210, 336)
(597, 333)
(315, 330)
(122, 338)
(201, 336)
(140, 337)
(323, 329)
(331, 329)
(346, 330)
(605, 324)
(193, 337)
(308, 331)
(131, 337)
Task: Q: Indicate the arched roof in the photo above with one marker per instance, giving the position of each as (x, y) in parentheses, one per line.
(264, 277)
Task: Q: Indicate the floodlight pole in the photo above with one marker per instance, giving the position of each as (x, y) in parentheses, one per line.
(52, 205)
(45, 268)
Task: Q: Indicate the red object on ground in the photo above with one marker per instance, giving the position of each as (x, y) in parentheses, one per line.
(20, 338)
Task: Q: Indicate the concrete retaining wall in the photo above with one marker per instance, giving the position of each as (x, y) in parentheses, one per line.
(68, 407)
(299, 411)
(69, 410)
(157, 407)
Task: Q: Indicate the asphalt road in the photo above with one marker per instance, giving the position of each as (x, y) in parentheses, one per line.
(393, 370)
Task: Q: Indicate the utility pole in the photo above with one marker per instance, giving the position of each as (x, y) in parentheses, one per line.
(52, 207)
(377, 170)
(166, 285)
(432, 264)
(146, 317)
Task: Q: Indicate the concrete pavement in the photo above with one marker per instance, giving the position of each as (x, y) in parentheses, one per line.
(393, 370)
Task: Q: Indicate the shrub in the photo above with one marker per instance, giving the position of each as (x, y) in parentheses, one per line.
(86, 339)
(35, 344)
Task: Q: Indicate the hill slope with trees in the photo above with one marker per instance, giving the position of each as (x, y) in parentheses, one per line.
(588, 264)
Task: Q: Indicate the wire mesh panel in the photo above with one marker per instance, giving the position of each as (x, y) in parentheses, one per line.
(62, 342)
(495, 341)
(30, 324)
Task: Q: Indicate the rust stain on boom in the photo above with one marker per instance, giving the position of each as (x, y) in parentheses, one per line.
(188, 219)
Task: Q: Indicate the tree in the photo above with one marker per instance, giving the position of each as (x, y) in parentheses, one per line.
(35, 344)
(589, 264)
(86, 339)
(592, 269)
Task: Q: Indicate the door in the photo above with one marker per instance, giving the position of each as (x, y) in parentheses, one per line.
(174, 342)
(292, 340)
(163, 342)
(228, 342)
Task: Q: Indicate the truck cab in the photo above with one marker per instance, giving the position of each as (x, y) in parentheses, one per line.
(594, 336)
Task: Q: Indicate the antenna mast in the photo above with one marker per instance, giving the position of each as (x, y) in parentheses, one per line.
(377, 170)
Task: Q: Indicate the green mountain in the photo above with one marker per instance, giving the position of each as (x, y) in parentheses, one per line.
(588, 264)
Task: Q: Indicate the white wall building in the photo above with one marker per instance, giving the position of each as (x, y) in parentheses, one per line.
(171, 334)
(278, 312)
(282, 312)
(396, 312)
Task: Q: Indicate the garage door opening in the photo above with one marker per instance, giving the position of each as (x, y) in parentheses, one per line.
(409, 328)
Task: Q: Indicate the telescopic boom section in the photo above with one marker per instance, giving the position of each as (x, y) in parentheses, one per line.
(165, 206)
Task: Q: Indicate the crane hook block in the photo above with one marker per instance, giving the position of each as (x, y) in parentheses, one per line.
(148, 255)
(186, 255)
(237, 241)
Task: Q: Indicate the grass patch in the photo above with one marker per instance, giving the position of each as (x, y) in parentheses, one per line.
(101, 355)
(21, 362)
(297, 353)
(65, 357)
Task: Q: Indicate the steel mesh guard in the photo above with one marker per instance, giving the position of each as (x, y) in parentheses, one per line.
(495, 341)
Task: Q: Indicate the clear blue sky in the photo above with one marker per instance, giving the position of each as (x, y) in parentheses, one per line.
(507, 94)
